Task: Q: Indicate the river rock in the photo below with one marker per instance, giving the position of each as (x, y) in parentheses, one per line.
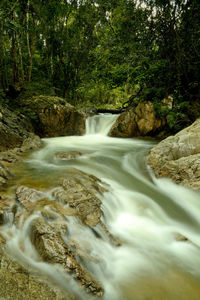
(48, 237)
(5, 174)
(17, 283)
(7, 210)
(48, 241)
(11, 156)
(125, 126)
(88, 110)
(178, 157)
(50, 218)
(80, 191)
(14, 128)
(26, 196)
(53, 116)
(77, 197)
(71, 155)
(138, 121)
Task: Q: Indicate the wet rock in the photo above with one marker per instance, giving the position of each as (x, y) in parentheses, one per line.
(5, 174)
(146, 119)
(7, 210)
(125, 126)
(48, 237)
(25, 196)
(11, 156)
(114, 240)
(33, 200)
(83, 252)
(87, 207)
(14, 128)
(53, 116)
(32, 142)
(178, 157)
(181, 238)
(88, 110)
(49, 243)
(80, 191)
(71, 155)
(17, 283)
(51, 215)
(138, 121)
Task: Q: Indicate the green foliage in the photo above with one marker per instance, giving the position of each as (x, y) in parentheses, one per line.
(177, 118)
(102, 52)
(153, 94)
(34, 88)
(101, 95)
(3, 98)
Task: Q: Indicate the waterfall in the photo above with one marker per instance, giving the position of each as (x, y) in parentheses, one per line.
(146, 215)
(100, 124)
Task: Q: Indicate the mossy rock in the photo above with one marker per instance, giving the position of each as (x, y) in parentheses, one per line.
(52, 116)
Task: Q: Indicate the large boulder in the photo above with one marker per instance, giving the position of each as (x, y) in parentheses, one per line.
(16, 137)
(53, 116)
(14, 128)
(138, 121)
(178, 157)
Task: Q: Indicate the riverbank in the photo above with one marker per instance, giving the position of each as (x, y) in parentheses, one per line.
(31, 119)
(45, 116)
(178, 157)
(84, 212)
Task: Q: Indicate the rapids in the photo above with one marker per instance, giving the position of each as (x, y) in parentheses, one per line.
(145, 213)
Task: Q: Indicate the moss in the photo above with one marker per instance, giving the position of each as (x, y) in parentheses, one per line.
(42, 101)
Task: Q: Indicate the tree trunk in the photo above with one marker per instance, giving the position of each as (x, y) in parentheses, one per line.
(21, 62)
(14, 60)
(30, 46)
(1, 57)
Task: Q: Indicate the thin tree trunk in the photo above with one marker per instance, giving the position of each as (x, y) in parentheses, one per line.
(32, 49)
(14, 58)
(28, 43)
(21, 62)
(3, 68)
(1, 57)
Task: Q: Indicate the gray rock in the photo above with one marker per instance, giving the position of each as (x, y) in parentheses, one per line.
(48, 241)
(13, 129)
(17, 283)
(178, 157)
(53, 116)
(80, 191)
(138, 121)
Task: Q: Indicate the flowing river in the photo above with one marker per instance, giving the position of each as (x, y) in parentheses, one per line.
(146, 214)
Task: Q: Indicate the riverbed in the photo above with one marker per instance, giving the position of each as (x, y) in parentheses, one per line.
(156, 221)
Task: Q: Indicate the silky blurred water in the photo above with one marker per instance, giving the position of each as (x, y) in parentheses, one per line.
(145, 214)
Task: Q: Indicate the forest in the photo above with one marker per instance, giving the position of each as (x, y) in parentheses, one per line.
(102, 52)
(100, 149)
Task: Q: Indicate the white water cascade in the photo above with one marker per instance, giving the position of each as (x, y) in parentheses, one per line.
(100, 124)
(144, 213)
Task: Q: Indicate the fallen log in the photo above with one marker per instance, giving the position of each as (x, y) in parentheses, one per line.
(110, 111)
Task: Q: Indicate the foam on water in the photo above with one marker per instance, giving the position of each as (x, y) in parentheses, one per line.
(145, 213)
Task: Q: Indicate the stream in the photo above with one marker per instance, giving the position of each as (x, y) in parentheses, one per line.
(146, 214)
